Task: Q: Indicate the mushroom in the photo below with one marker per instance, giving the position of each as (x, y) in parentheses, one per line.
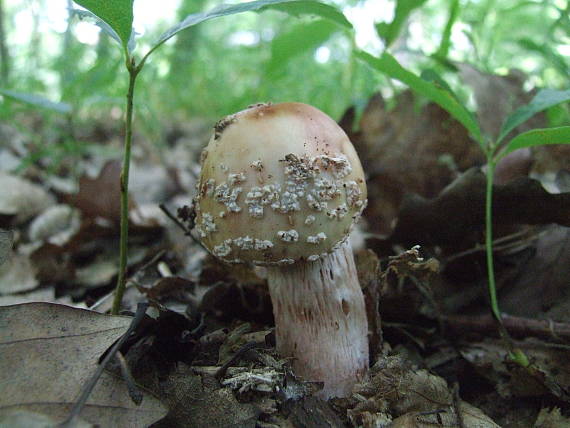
(282, 186)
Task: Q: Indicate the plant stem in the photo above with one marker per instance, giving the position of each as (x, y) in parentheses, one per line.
(123, 244)
(489, 252)
(489, 240)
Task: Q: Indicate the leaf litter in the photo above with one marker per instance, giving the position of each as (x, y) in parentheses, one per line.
(205, 351)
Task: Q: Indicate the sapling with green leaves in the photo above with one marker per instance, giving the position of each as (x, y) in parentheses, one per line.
(116, 19)
(434, 88)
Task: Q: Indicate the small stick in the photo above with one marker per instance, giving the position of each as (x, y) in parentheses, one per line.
(457, 405)
(222, 370)
(134, 392)
(178, 223)
(517, 326)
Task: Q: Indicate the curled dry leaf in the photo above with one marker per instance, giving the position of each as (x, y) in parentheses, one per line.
(551, 418)
(48, 353)
(55, 225)
(26, 419)
(547, 374)
(498, 96)
(416, 398)
(472, 417)
(197, 401)
(22, 199)
(541, 284)
(101, 196)
(6, 242)
(385, 141)
(459, 210)
(17, 275)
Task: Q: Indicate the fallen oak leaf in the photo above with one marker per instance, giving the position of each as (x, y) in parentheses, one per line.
(100, 196)
(20, 199)
(460, 209)
(49, 351)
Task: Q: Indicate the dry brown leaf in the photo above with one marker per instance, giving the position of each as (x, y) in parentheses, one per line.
(542, 282)
(197, 402)
(6, 242)
(17, 275)
(416, 398)
(44, 294)
(22, 199)
(411, 148)
(48, 353)
(25, 419)
(55, 225)
(497, 97)
(472, 418)
(548, 373)
(551, 418)
(456, 215)
(101, 196)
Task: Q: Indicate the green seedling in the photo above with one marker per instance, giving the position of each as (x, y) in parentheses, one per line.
(494, 148)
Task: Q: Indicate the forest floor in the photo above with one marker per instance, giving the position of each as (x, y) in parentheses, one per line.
(204, 356)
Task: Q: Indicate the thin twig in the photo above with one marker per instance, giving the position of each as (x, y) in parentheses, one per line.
(88, 387)
(134, 391)
(178, 223)
(457, 406)
(222, 370)
(505, 242)
(517, 326)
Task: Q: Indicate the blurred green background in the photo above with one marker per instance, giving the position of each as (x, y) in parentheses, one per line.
(223, 65)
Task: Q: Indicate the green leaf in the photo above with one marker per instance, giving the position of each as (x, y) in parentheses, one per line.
(118, 14)
(443, 50)
(430, 75)
(299, 39)
(106, 28)
(311, 7)
(545, 99)
(292, 7)
(388, 65)
(537, 137)
(36, 101)
(390, 32)
(546, 51)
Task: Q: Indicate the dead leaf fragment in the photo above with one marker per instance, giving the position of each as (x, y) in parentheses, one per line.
(17, 275)
(101, 196)
(21, 198)
(551, 418)
(457, 213)
(415, 398)
(411, 148)
(25, 419)
(48, 353)
(55, 225)
(547, 375)
(497, 97)
(6, 242)
(472, 418)
(196, 403)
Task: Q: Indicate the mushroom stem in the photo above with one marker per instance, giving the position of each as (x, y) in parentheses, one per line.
(320, 320)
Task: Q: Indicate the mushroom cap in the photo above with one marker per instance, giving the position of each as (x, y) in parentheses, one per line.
(279, 183)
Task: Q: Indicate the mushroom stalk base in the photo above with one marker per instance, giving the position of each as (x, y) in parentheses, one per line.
(320, 320)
